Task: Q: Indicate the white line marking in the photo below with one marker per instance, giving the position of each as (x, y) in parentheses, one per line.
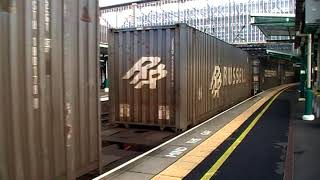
(169, 141)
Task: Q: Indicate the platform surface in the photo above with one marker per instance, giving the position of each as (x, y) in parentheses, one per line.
(193, 153)
(306, 146)
(262, 153)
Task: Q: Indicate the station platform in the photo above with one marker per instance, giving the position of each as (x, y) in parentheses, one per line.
(260, 138)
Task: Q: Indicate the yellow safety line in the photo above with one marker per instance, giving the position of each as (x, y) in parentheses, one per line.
(229, 151)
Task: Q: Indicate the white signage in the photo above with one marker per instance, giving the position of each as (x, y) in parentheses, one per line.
(270, 73)
(289, 73)
(193, 140)
(176, 152)
(206, 133)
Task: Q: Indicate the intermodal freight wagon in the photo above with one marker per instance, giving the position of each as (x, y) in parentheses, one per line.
(173, 76)
(268, 72)
(169, 76)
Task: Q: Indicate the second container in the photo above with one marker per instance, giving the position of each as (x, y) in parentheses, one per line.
(173, 76)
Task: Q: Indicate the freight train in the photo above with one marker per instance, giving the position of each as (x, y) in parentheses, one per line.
(170, 76)
(177, 76)
(268, 72)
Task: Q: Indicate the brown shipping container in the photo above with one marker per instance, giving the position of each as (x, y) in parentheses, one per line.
(275, 72)
(49, 127)
(270, 73)
(103, 33)
(173, 76)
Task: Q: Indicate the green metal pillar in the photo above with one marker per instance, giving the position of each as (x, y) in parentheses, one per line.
(302, 80)
(317, 97)
(309, 93)
(317, 47)
(303, 73)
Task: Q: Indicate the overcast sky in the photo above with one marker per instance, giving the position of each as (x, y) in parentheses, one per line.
(103, 3)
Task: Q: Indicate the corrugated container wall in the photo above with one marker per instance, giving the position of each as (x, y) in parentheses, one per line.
(49, 126)
(274, 72)
(103, 34)
(268, 72)
(173, 76)
(289, 73)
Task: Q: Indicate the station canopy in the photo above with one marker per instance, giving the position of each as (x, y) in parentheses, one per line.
(274, 24)
(290, 56)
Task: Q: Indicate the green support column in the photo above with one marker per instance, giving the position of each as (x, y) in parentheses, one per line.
(317, 100)
(309, 100)
(302, 81)
(318, 62)
(308, 114)
(303, 73)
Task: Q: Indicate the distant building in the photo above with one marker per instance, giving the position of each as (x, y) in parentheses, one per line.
(229, 20)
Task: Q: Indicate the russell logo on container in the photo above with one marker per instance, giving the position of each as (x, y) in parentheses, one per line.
(225, 76)
(148, 70)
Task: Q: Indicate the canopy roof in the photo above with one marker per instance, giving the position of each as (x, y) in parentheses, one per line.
(274, 24)
(284, 55)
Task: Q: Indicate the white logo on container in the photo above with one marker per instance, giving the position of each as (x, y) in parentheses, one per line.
(146, 74)
(216, 82)
(226, 76)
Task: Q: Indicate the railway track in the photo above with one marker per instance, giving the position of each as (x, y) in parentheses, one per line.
(120, 144)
